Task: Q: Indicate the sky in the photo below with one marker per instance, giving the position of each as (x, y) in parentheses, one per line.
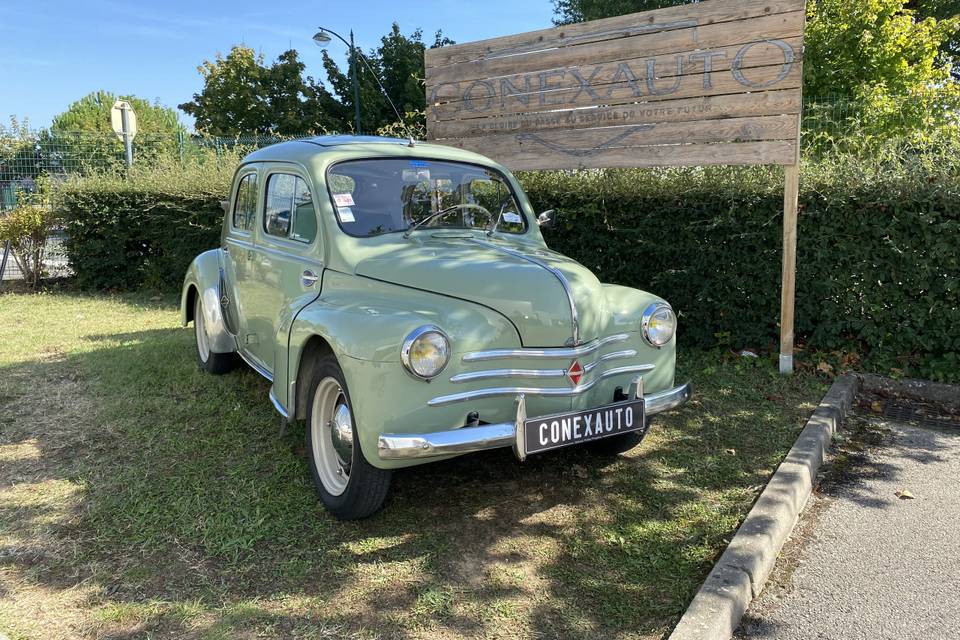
(55, 52)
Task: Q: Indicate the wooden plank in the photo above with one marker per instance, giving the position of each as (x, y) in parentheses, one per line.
(618, 93)
(587, 142)
(682, 110)
(758, 53)
(732, 153)
(712, 12)
(791, 194)
(598, 81)
(784, 25)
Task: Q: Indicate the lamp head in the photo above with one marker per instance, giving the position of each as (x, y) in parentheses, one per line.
(322, 38)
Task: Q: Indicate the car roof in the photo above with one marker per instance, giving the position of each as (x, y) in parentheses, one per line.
(336, 147)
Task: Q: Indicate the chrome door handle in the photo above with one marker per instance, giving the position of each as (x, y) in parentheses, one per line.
(308, 278)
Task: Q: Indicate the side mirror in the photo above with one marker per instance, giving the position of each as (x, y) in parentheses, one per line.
(545, 220)
(225, 205)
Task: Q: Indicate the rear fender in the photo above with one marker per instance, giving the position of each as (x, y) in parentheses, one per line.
(205, 279)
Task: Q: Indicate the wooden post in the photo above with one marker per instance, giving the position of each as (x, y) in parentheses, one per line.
(791, 194)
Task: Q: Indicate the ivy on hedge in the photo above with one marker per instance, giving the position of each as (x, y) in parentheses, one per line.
(878, 257)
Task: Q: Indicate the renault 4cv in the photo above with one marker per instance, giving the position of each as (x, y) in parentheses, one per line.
(401, 300)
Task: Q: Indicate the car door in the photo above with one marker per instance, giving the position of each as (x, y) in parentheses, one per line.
(288, 260)
(238, 246)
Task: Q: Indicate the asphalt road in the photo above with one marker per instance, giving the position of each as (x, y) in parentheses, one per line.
(866, 564)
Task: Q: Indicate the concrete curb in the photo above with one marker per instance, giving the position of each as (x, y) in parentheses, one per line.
(716, 609)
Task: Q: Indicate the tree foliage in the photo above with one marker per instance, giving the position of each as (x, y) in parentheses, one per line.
(83, 134)
(242, 95)
(26, 228)
(398, 62)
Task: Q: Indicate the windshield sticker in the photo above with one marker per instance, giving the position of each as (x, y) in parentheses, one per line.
(419, 163)
(346, 214)
(512, 217)
(416, 175)
(343, 199)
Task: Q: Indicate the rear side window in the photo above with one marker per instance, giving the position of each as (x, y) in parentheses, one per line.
(289, 212)
(245, 206)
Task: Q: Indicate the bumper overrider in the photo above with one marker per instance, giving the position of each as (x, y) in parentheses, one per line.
(405, 446)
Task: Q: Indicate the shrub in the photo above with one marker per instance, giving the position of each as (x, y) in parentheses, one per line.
(877, 265)
(142, 230)
(26, 228)
(877, 261)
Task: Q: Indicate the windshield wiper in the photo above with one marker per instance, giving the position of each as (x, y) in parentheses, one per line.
(496, 223)
(437, 214)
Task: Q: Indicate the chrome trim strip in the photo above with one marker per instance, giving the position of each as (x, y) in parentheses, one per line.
(406, 446)
(537, 373)
(508, 373)
(562, 352)
(574, 320)
(536, 391)
(255, 365)
(616, 355)
(277, 405)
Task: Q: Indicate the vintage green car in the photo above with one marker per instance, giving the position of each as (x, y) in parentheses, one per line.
(402, 301)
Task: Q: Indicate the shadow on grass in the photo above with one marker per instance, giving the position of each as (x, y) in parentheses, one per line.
(192, 518)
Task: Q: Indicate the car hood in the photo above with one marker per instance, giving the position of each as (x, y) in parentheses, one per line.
(530, 285)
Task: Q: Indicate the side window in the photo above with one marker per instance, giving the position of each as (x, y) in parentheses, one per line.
(245, 206)
(289, 212)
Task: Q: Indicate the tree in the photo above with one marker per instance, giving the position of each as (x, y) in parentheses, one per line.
(242, 96)
(570, 11)
(82, 136)
(886, 62)
(398, 62)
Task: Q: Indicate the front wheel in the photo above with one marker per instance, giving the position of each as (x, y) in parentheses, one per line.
(349, 486)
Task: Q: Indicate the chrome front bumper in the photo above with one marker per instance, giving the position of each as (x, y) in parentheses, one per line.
(404, 446)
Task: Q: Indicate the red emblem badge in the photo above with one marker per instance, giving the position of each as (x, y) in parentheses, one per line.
(575, 372)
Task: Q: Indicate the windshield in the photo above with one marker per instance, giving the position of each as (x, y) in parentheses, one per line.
(371, 197)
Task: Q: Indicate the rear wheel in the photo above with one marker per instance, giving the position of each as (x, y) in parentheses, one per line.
(216, 363)
(349, 486)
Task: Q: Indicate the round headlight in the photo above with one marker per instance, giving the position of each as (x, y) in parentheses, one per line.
(425, 352)
(658, 324)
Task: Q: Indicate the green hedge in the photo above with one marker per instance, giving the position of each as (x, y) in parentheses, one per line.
(878, 259)
(142, 230)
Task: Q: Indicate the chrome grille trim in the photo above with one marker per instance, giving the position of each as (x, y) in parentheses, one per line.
(508, 373)
(537, 391)
(470, 376)
(563, 352)
(616, 355)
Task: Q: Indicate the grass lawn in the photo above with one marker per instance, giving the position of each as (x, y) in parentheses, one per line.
(141, 498)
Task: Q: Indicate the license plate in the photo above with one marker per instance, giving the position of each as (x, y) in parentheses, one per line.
(564, 429)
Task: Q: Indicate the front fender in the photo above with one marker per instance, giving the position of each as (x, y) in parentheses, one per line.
(204, 279)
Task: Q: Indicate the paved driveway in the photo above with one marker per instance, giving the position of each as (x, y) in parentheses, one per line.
(864, 563)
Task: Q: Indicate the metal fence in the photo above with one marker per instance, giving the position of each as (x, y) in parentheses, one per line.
(27, 155)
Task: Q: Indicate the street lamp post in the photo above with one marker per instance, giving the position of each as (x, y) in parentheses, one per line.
(322, 38)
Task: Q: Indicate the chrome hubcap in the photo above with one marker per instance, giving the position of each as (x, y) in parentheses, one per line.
(331, 434)
(341, 434)
(199, 325)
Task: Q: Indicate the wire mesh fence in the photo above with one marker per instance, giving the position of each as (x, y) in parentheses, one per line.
(26, 156)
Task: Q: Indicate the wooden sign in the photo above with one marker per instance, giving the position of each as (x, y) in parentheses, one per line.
(715, 82)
